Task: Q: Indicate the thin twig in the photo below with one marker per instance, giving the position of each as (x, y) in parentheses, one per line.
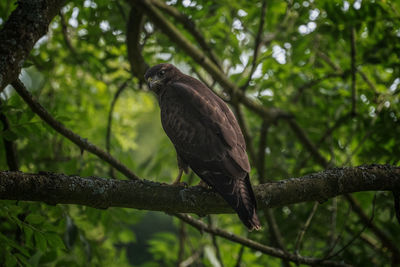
(312, 83)
(182, 239)
(353, 72)
(333, 221)
(339, 237)
(214, 241)
(60, 128)
(121, 10)
(305, 227)
(255, 245)
(109, 120)
(71, 48)
(327, 59)
(189, 261)
(257, 44)
(365, 220)
(240, 256)
(358, 234)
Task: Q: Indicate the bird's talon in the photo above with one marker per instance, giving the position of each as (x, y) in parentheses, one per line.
(180, 184)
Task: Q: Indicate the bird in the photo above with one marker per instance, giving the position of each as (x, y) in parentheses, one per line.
(206, 136)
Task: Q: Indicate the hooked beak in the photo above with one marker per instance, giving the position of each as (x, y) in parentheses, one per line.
(151, 82)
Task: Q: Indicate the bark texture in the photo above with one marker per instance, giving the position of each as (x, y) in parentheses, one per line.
(25, 26)
(97, 192)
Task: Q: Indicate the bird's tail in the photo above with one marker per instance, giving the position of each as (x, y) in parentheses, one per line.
(240, 197)
(246, 207)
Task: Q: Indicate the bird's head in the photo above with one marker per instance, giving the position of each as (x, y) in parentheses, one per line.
(159, 75)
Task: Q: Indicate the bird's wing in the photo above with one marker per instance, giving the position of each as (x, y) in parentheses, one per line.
(197, 121)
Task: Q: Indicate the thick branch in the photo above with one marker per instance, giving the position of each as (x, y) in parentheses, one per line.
(97, 192)
(22, 30)
(133, 29)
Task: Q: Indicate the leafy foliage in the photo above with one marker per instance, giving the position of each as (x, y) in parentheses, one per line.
(304, 67)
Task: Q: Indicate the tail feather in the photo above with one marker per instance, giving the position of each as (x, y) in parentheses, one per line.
(241, 198)
(247, 205)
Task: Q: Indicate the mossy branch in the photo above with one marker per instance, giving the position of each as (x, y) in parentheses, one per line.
(142, 194)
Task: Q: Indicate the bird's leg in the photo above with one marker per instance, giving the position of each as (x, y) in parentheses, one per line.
(183, 167)
(177, 180)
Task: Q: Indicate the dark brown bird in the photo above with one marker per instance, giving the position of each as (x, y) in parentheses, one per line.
(206, 136)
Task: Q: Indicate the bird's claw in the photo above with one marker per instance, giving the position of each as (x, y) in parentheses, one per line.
(180, 184)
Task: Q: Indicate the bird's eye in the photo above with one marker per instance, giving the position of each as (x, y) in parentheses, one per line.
(162, 72)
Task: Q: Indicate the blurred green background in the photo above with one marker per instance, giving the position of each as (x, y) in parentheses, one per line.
(303, 66)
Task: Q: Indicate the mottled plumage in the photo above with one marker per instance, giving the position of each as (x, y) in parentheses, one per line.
(206, 136)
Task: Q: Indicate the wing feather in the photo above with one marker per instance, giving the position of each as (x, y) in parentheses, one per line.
(207, 121)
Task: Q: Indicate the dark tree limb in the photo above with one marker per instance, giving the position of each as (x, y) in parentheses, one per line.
(60, 128)
(133, 29)
(97, 192)
(9, 146)
(255, 245)
(28, 22)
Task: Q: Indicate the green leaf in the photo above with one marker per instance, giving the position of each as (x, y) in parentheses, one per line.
(54, 240)
(10, 260)
(34, 218)
(126, 236)
(40, 241)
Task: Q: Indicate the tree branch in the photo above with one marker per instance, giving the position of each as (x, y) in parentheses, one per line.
(28, 22)
(121, 88)
(133, 29)
(353, 71)
(9, 146)
(102, 193)
(60, 128)
(255, 245)
(257, 44)
(377, 231)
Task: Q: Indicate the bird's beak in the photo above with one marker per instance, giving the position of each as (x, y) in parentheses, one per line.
(151, 82)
